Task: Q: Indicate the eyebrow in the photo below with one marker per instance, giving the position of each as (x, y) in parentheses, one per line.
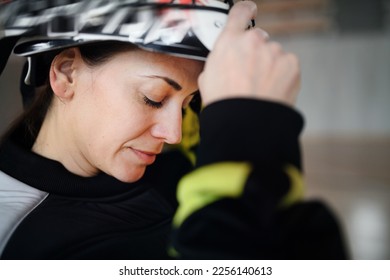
(175, 85)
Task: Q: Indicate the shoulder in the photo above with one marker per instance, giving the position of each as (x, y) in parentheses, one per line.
(16, 201)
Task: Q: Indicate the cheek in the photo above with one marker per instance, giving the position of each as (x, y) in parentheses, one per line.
(113, 127)
(105, 111)
(112, 124)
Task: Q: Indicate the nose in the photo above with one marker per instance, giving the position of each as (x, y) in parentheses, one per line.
(168, 126)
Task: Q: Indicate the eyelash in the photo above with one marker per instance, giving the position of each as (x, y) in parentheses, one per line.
(158, 105)
(153, 104)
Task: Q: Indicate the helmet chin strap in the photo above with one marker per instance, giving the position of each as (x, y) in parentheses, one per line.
(27, 90)
(27, 78)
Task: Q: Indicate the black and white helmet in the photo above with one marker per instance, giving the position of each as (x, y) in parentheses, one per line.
(35, 28)
(186, 28)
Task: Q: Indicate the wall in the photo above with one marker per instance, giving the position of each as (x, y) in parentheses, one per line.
(10, 99)
(345, 83)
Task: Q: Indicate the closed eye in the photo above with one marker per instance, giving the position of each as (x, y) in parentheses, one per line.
(151, 103)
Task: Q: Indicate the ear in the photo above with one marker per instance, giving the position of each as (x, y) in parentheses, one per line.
(62, 73)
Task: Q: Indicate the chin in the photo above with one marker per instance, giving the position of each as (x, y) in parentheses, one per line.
(129, 175)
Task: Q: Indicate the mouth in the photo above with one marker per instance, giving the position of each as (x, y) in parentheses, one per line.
(145, 156)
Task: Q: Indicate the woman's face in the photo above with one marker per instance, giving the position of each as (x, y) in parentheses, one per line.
(126, 109)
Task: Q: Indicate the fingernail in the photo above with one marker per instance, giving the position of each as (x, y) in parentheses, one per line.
(265, 34)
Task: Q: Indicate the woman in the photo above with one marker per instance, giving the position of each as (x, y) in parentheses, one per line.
(91, 170)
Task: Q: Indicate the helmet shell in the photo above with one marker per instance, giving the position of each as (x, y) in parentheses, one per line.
(181, 27)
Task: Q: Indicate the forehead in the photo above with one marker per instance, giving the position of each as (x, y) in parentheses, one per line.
(151, 63)
(155, 58)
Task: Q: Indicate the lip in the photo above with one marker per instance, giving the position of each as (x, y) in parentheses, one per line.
(144, 156)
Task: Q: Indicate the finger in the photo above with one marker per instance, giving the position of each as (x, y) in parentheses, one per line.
(240, 15)
(260, 33)
(276, 48)
(286, 79)
(263, 33)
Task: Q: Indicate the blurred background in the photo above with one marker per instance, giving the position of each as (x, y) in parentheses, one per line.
(344, 49)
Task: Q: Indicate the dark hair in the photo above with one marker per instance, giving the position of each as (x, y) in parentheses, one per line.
(28, 124)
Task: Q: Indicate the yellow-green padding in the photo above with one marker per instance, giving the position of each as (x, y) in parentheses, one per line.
(296, 190)
(208, 184)
(212, 182)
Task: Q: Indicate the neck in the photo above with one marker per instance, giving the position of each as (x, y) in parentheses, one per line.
(56, 141)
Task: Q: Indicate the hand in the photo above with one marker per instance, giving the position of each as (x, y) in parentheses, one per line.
(245, 64)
